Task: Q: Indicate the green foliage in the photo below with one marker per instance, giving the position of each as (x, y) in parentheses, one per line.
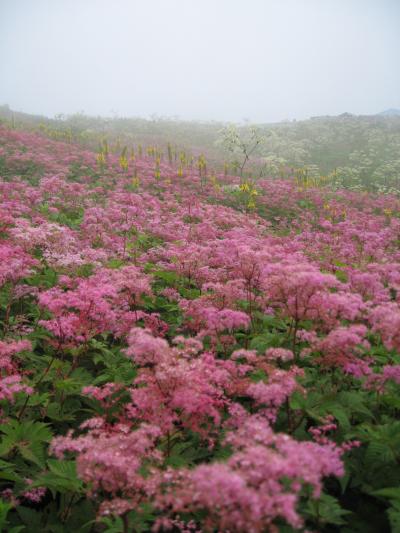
(393, 495)
(5, 508)
(326, 510)
(26, 439)
(61, 477)
(112, 365)
(138, 521)
(361, 151)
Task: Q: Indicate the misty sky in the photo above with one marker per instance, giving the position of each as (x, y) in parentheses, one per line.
(262, 60)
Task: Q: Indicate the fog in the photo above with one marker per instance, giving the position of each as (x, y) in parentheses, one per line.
(260, 60)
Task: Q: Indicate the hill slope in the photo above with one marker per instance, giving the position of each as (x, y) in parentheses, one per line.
(182, 350)
(363, 151)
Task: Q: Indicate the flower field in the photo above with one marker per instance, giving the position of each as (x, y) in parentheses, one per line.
(182, 350)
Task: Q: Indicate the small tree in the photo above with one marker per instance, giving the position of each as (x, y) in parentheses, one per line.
(241, 143)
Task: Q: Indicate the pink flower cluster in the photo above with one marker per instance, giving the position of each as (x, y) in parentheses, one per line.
(260, 483)
(10, 379)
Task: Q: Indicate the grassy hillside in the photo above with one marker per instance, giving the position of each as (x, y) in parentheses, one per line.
(356, 151)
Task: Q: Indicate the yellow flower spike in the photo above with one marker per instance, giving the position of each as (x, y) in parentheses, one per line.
(244, 187)
(157, 172)
(101, 159)
(123, 163)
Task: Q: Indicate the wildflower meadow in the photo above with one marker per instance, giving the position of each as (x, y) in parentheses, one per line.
(186, 349)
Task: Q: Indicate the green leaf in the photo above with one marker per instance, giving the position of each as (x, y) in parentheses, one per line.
(326, 510)
(392, 493)
(61, 477)
(266, 340)
(28, 438)
(394, 517)
(4, 509)
(30, 517)
(113, 525)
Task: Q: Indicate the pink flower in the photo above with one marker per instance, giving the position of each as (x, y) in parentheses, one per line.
(280, 354)
(145, 349)
(248, 492)
(385, 319)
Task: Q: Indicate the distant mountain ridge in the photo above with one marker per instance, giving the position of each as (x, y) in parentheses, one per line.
(392, 112)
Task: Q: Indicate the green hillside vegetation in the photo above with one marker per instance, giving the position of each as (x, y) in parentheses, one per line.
(357, 152)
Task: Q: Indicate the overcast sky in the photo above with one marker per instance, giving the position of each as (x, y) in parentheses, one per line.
(262, 60)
